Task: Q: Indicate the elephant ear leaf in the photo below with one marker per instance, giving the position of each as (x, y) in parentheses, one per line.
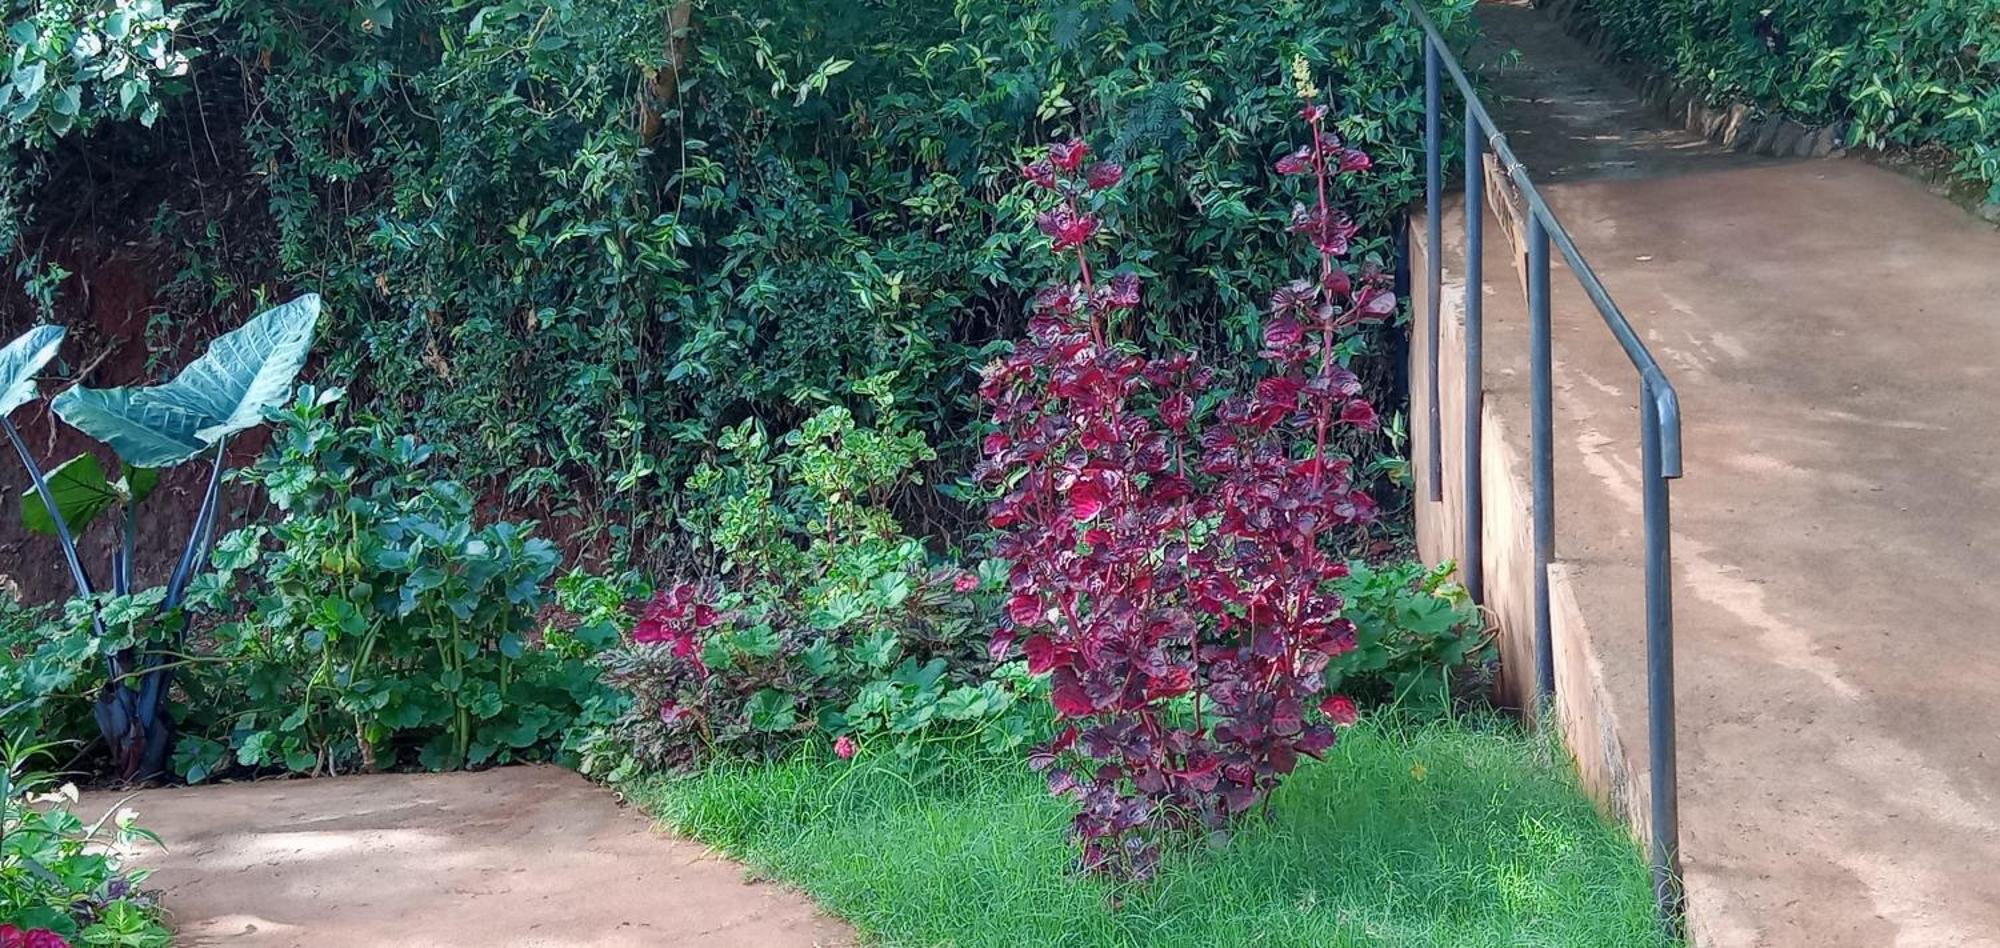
(145, 430)
(82, 492)
(245, 371)
(19, 362)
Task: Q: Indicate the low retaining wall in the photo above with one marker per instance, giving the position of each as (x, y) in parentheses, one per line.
(1586, 712)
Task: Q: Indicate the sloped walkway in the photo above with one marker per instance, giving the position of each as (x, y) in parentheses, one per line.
(1834, 333)
(517, 857)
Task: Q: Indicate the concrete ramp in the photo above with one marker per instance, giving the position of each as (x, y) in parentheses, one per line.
(1834, 334)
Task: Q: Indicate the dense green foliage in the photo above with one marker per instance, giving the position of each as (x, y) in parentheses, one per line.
(1455, 835)
(566, 262)
(819, 619)
(383, 622)
(1911, 73)
(377, 621)
(62, 871)
(73, 63)
(1416, 636)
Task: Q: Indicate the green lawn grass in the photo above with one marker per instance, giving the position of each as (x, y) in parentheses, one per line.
(1447, 834)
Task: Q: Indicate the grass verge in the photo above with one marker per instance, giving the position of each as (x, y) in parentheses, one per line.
(1452, 834)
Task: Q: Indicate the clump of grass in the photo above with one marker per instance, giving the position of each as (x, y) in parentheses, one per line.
(1454, 833)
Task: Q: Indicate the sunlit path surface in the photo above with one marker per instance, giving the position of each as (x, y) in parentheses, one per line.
(518, 856)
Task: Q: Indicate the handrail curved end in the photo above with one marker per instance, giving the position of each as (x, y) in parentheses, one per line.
(1666, 408)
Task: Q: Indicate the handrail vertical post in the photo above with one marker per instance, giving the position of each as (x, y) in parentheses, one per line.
(1433, 199)
(1542, 446)
(1473, 569)
(1660, 663)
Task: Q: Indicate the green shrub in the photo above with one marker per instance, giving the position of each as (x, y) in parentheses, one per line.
(37, 666)
(567, 263)
(70, 64)
(821, 617)
(385, 623)
(61, 874)
(1418, 639)
(1910, 73)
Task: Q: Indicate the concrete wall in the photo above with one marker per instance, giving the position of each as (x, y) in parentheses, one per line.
(1586, 712)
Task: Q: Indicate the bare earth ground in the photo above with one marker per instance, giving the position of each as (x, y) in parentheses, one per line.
(518, 856)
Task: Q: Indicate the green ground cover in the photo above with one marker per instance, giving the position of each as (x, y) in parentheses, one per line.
(1458, 834)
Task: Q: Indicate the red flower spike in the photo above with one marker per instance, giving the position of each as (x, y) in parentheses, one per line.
(1069, 156)
(1103, 174)
(1066, 229)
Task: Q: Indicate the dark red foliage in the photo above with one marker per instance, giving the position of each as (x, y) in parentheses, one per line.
(677, 617)
(1168, 570)
(11, 937)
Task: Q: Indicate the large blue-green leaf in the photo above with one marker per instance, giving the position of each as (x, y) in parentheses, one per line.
(247, 370)
(19, 362)
(243, 373)
(145, 431)
(82, 492)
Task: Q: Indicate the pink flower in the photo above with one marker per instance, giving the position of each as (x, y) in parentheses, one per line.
(1103, 174)
(844, 747)
(965, 583)
(1354, 159)
(1341, 709)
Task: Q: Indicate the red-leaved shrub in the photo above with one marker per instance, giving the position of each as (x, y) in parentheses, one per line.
(11, 937)
(1165, 536)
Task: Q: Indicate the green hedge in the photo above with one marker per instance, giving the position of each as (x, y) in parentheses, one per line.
(565, 274)
(1921, 74)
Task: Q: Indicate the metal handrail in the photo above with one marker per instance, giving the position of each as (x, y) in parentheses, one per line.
(1659, 424)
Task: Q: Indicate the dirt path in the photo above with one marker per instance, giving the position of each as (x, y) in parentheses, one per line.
(520, 856)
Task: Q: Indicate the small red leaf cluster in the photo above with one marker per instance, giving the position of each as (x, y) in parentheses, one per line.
(1165, 534)
(11, 937)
